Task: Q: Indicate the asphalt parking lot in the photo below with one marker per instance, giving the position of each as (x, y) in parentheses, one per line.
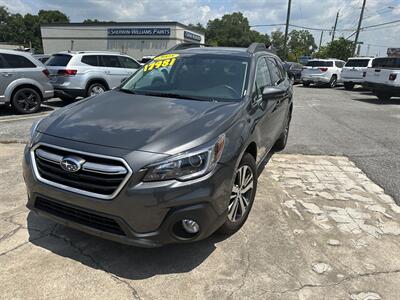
(324, 224)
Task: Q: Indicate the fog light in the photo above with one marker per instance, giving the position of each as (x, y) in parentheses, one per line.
(190, 226)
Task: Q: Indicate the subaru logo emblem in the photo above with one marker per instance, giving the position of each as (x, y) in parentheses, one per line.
(71, 163)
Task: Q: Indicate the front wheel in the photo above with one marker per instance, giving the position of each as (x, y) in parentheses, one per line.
(333, 81)
(26, 100)
(242, 195)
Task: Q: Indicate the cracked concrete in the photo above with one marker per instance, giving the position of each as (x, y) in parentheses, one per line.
(311, 212)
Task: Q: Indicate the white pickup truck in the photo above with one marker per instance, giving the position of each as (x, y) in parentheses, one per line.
(352, 72)
(383, 77)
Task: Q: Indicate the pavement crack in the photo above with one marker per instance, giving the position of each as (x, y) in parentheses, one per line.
(10, 233)
(96, 263)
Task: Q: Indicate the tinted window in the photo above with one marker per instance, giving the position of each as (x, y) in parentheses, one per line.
(17, 61)
(319, 63)
(2, 65)
(58, 60)
(339, 64)
(91, 60)
(128, 63)
(357, 63)
(386, 62)
(111, 61)
(276, 74)
(262, 79)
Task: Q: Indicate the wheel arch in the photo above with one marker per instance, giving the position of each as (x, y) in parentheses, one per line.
(19, 83)
(96, 80)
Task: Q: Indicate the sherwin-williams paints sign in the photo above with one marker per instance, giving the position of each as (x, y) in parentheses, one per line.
(139, 31)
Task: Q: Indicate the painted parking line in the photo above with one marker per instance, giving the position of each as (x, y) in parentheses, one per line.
(23, 118)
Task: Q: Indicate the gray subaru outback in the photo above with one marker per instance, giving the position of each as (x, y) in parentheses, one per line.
(172, 155)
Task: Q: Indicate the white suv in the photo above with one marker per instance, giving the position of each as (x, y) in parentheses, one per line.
(352, 72)
(383, 78)
(84, 73)
(322, 71)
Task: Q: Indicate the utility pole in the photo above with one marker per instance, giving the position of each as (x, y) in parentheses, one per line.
(359, 26)
(334, 27)
(287, 30)
(320, 40)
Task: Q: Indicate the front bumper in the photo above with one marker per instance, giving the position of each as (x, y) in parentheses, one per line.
(394, 91)
(145, 212)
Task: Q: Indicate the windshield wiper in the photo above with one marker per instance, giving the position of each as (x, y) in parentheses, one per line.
(127, 91)
(178, 96)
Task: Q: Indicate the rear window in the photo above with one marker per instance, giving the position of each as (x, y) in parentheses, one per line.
(319, 63)
(60, 60)
(357, 63)
(386, 62)
(17, 61)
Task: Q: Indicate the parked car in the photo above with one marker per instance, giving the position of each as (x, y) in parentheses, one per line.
(294, 71)
(42, 57)
(170, 156)
(84, 73)
(322, 71)
(383, 77)
(352, 72)
(24, 81)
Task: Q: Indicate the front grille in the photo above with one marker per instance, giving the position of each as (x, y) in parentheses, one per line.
(78, 216)
(98, 176)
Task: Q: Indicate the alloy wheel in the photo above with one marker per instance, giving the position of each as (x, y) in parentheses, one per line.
(241, 193)
(97, 89)
(27, 100)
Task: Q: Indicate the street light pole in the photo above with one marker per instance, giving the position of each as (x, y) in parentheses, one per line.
(359, 26)
(320, 40)
(287, 30)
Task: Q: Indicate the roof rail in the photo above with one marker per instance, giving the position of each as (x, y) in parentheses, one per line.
(256, 47)
(183, 46)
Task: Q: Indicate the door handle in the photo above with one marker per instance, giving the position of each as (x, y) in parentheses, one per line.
(6, 74)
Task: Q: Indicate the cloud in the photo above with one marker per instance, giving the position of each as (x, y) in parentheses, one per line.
(313, 13)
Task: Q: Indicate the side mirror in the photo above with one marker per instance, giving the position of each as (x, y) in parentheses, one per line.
(272, 93)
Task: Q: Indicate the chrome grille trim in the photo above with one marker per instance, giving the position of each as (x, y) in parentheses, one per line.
(90, 167)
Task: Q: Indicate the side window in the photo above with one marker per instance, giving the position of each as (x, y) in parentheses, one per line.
(2, 65)
(262, 78)
(91, 60)
(18, 61)
(280, 67)
(128, 63)
(276, 74)
(338, 64)
(111, 61)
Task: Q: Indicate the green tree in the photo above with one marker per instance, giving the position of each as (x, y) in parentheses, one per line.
(301, 42)
(233, 30)
(25, 30)
(197, 27)
(88, 21)
(340, 48)
(278, 42)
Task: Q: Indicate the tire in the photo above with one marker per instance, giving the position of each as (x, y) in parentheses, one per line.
(281, 143)
(332, 83)
(383, 97)
(239, 199)
(348, 85)
(95, 88)
(26, 100)
(306, 83)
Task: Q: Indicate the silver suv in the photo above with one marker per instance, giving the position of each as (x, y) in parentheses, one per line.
(24, 81)
(84, 73)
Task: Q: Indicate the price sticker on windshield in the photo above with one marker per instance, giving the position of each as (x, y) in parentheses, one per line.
(166, 60)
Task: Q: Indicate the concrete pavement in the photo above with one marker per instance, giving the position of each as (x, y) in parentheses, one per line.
(319, 229)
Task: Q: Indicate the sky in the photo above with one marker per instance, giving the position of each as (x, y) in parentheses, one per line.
(312, 13)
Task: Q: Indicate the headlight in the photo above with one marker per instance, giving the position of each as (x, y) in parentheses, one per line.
(188, 165)
(32, 132)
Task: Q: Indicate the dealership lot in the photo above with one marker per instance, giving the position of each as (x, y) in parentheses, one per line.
(321, 227)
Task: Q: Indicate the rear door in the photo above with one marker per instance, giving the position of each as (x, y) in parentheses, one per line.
(113, 69)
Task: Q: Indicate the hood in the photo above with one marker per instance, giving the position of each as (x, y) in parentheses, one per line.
(138, 122)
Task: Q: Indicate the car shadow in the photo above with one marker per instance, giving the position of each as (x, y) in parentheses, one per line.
(392, 101)
(121, 260)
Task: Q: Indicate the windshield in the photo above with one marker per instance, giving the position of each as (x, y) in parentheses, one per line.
(200, 77)
(357, 63)
(319, 63)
